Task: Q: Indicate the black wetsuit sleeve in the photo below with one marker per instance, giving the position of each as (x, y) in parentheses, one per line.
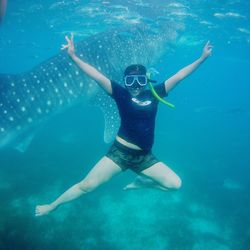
(161, 90)
(117, 90)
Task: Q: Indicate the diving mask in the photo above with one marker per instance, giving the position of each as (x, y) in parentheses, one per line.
(131, 79)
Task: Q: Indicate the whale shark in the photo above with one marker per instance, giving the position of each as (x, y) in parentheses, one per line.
(29, 99)
(3, 6)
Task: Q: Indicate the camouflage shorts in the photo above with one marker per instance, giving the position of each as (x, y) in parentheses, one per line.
(126, 158)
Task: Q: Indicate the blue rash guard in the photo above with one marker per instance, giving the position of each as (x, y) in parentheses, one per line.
(137, 114)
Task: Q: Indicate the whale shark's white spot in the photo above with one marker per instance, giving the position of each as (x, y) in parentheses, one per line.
(23, 108)
(23, 80)
(48, 102)
(81, 84)
(77, 73)
(14, 93)
(59, 74)
(18, 100)
(46, 110)
(35, 76)
(97, 57)
(11, 118)
(39, 110)
(65, 85)
(18, 127)
(44, 70)
(51, 63)
(60, 102)
(30, 120)
(47, 74)
(28, 91)
(1, 104)
(70, 64)
(71, 92)
(56, 90)
(25, 84)
(50, 80)
(55, 68)
(38, 81)
(32, 98)
(2, 129)
(5, 111)
(99, 68)
(70, 76)
(42, 89)
(81, 55)
(12, 84)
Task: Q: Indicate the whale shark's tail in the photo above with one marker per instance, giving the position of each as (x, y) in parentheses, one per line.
(11, 93)
(3, 6)
(6, 82)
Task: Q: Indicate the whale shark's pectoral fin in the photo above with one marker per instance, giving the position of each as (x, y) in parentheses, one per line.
(23, 145)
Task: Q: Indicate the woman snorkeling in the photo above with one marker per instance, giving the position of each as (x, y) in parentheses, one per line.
(131, 149)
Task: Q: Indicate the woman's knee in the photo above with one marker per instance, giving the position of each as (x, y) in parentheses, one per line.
(174, 183)
(177, 183)
(88, 185)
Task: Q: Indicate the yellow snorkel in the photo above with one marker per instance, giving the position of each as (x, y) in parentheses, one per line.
(156, 95)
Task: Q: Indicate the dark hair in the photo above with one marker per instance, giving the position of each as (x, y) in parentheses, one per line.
(135, 69)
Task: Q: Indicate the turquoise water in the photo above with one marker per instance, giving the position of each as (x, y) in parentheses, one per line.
(205, 139)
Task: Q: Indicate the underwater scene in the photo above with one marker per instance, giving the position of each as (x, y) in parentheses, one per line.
(56, 123)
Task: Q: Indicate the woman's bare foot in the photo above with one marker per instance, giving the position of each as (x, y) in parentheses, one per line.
(131, 186)
(143, 182)
(43, 210)
(139, 182)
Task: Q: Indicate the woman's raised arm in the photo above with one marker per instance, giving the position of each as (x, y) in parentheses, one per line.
(92, 72)
(186, 71)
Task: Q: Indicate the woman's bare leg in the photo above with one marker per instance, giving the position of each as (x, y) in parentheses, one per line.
(102, 172)
(158, 176)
